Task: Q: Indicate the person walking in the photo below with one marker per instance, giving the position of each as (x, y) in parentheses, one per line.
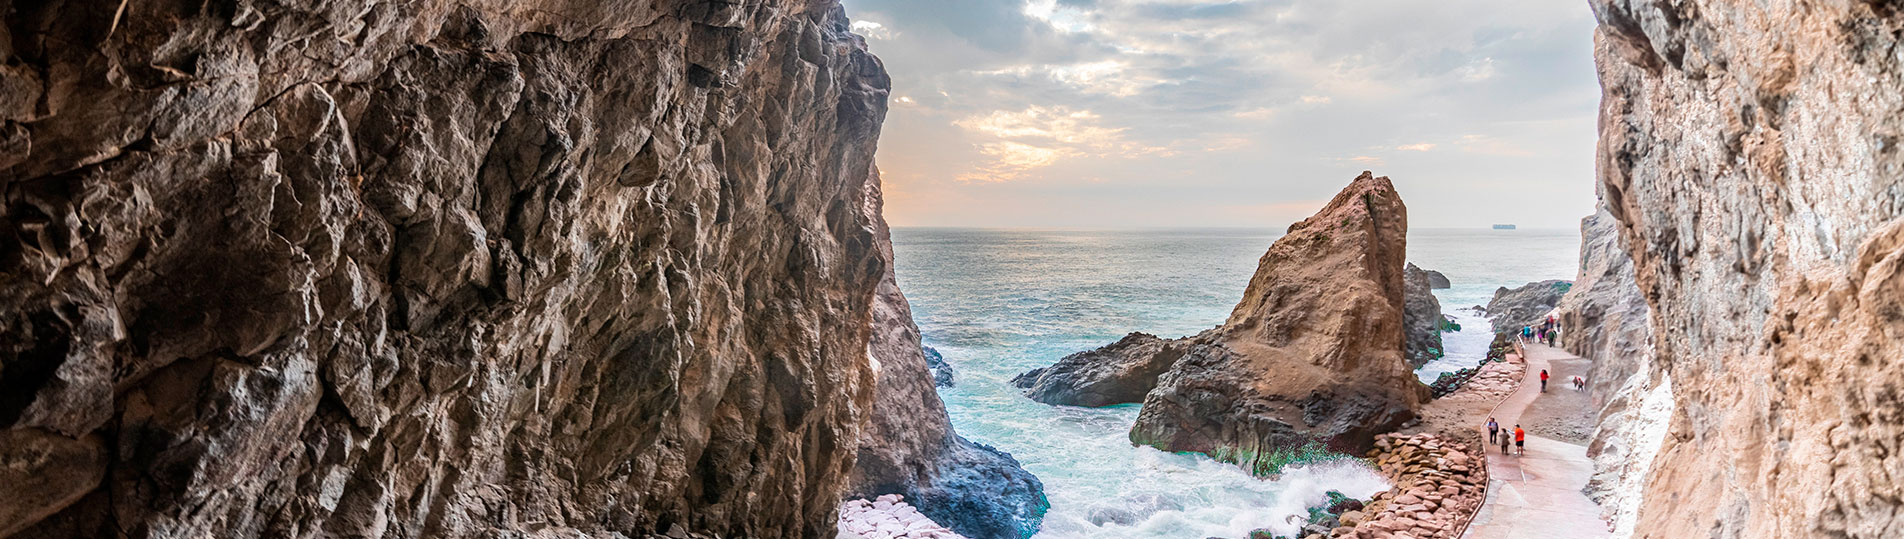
(1504, 444)
(1543, 380)
(1527, 333)
(1520, 440)
(1493, 429)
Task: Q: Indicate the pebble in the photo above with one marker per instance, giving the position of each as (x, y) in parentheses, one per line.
(889, 517)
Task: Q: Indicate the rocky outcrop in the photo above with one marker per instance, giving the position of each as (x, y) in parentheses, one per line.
(1750, 152)
(1438, 485)
(1604, 313)
(1526, 305)
(1311, 355)
(942, 371)
(1119, 373)
(357, 268)
(1436, 280)
(1421, 317)
(909, 447)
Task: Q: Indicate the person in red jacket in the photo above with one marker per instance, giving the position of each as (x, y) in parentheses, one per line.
(1543, 380)
(1520, 440)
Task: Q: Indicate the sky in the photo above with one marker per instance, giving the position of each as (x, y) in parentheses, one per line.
(1192, 113)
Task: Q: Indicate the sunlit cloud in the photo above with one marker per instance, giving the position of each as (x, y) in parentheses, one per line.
(872, 30)
(1218, 100)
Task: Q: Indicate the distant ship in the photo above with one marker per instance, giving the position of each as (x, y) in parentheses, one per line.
(1503, 227)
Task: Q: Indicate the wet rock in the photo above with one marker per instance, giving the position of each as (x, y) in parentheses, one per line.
(942, 371)
(1751, 155)
(1422, 320)
(1526, 305)
(356, 268)
(1119, 373)
(909, 447)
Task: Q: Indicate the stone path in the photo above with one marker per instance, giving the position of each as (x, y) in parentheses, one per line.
(1538, 494)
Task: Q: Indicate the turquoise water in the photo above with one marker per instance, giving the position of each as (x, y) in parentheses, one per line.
(999, 302)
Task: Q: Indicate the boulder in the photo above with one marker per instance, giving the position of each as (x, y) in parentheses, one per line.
(1525, 305)
(1421, 318)
(1312, 354)
(1119, 373)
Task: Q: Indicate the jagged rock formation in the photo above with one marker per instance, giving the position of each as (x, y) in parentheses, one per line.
(1436, 280)
(1604, 313)
(1312, 353)
(1750, 152)
(1527, 305)
(1421, 316)
(358, 268)
(1606, 320)
(909, 447)
(1118, 373)
(942, 371)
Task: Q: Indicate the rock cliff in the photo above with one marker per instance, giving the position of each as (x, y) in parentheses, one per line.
(360, 268)
(1527, 305)
(1751, 154)
(909, 447)
(1421, 316)
(1311, 355)
(1606, 321)
(1604, 313)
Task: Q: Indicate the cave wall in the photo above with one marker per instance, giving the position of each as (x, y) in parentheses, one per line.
(433, 268)
(1750, 153)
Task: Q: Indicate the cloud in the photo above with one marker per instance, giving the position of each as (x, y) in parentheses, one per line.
(1228, 99)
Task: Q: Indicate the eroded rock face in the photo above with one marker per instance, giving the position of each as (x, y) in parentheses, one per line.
(1119, 373)
(403, 269)
(1421, 316)
(1606, 320)
(1750, 153)
(1604, 313)
(1527, 305)
(1311, 354)
(909, 447)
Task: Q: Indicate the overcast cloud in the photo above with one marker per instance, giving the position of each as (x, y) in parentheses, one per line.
(1128, 113)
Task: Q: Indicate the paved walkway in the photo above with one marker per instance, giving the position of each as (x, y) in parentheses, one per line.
(1537, 495)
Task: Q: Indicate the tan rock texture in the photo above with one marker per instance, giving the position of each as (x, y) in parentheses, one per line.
(1750, 152)
(356, 268)
(1311, 354)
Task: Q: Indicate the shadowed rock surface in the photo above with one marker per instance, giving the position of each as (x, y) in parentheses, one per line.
(1119, 373)
(1604, 313)
(1751, 154)
(1311, 355)
(1421, 316)
(354, 268)
(1527, 305)
(1437, 281)
(1607, 322)
(942, 371)
(909, 447)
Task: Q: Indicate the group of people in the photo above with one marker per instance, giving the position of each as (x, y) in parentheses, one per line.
(1518, 437)
(1548, 333)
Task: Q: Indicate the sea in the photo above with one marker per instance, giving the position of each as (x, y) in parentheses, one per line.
(998, 302)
